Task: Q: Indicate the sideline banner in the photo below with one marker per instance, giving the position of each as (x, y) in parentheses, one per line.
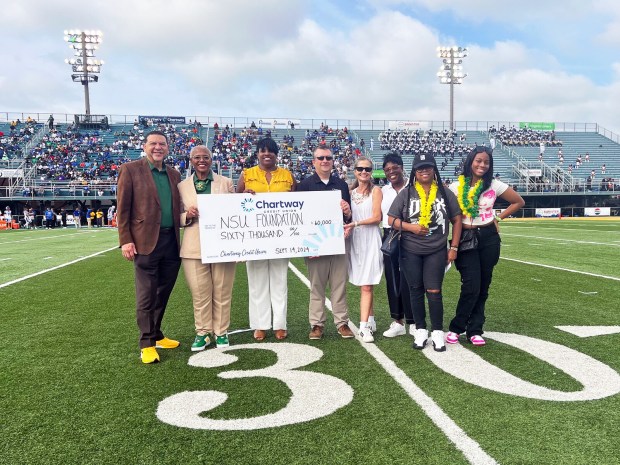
(278, 123)
(537, 125)
(597, 211)
(275, 225)
(548, 212)
(411, 125)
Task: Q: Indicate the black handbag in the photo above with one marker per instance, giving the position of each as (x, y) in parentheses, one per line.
(469, 240)
(391, 244)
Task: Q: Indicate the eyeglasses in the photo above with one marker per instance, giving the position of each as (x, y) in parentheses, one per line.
(201, 158)
(425, 168)
(328, 158)
(359, 169)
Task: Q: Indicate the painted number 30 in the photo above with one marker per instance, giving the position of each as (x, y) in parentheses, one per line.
(314, 395)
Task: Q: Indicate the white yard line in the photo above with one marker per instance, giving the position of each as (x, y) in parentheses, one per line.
(470, 448)
(38, 273)
(42, 238)
(614, 278)
(553, 229)
(562, 239)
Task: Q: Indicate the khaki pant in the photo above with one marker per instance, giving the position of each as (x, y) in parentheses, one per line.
(332, 270)
(211, 287)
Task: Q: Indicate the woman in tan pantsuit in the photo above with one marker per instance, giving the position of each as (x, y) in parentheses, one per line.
(211, 283)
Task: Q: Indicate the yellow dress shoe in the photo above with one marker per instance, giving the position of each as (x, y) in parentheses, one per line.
(149, 355)
(166, 343)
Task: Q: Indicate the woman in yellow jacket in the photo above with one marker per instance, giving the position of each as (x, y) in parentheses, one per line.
(267, 279)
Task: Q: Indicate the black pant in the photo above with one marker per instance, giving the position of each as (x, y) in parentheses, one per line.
(156, 274)
(424, 272)
(476, 268)
(397, 289)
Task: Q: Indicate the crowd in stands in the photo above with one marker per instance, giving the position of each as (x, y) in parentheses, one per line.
(66, 155)
(19, 134)
(74, 155)
(443, 145)
(236, 150)
(233, 151)
(525, 137)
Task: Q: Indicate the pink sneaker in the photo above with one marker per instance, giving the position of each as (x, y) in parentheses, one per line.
(452, 338)
(477, 340)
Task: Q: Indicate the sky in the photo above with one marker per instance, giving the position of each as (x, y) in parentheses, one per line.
(323, 59)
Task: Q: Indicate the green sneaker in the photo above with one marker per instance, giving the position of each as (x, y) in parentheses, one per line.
(201, 343)
(222, 341)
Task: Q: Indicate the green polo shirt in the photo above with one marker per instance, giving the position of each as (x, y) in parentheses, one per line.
(165, 195)
(207, 182)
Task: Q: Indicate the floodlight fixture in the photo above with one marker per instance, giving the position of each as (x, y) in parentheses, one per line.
(451, 71)
(84, 66)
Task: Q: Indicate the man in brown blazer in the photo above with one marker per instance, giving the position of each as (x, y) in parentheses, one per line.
(148, 215)
(210, 283)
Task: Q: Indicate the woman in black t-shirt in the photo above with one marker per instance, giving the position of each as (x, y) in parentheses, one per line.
(424, 211)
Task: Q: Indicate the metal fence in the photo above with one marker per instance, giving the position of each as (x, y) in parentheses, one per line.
(315, 123)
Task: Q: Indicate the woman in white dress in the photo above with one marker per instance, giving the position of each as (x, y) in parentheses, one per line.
(365, 259)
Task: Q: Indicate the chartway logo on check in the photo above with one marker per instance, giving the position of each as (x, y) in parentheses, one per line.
(262, 204)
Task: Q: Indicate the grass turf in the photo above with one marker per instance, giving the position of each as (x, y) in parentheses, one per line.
(72, 389)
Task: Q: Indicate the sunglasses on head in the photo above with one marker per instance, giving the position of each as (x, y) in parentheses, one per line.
(359, 169)
(328, 158)
(483, 149)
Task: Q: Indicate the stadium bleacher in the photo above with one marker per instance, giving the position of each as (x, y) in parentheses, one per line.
(85, 165)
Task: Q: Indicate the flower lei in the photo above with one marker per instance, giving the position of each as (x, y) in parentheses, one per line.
(426, 203)
(468, 196)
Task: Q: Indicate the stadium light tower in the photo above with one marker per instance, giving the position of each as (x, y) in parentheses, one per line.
(84, 65)
(451, 71)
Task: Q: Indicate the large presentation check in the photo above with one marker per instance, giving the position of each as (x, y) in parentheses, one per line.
(237, 227)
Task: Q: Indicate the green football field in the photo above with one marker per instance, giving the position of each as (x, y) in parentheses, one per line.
(544, 390)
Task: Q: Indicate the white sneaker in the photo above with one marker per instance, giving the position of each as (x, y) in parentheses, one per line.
(395, 329)
(373, 326)
(438, 340)
(412, 330)
(365, 335)
(419, 338)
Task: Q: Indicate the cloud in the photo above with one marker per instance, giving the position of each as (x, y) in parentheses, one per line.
(293, 60)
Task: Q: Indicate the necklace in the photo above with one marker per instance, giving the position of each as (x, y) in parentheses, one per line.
(426, 203)
(200, 186)
(468, 196)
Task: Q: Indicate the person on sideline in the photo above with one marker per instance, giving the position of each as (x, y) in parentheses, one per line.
(149, 213)
(397, 290)
(210, 283)
(476, 191)
(423, 211)
(50, 219)
(267, 279)
(365, 258)
(328, 269)
(77, 217)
